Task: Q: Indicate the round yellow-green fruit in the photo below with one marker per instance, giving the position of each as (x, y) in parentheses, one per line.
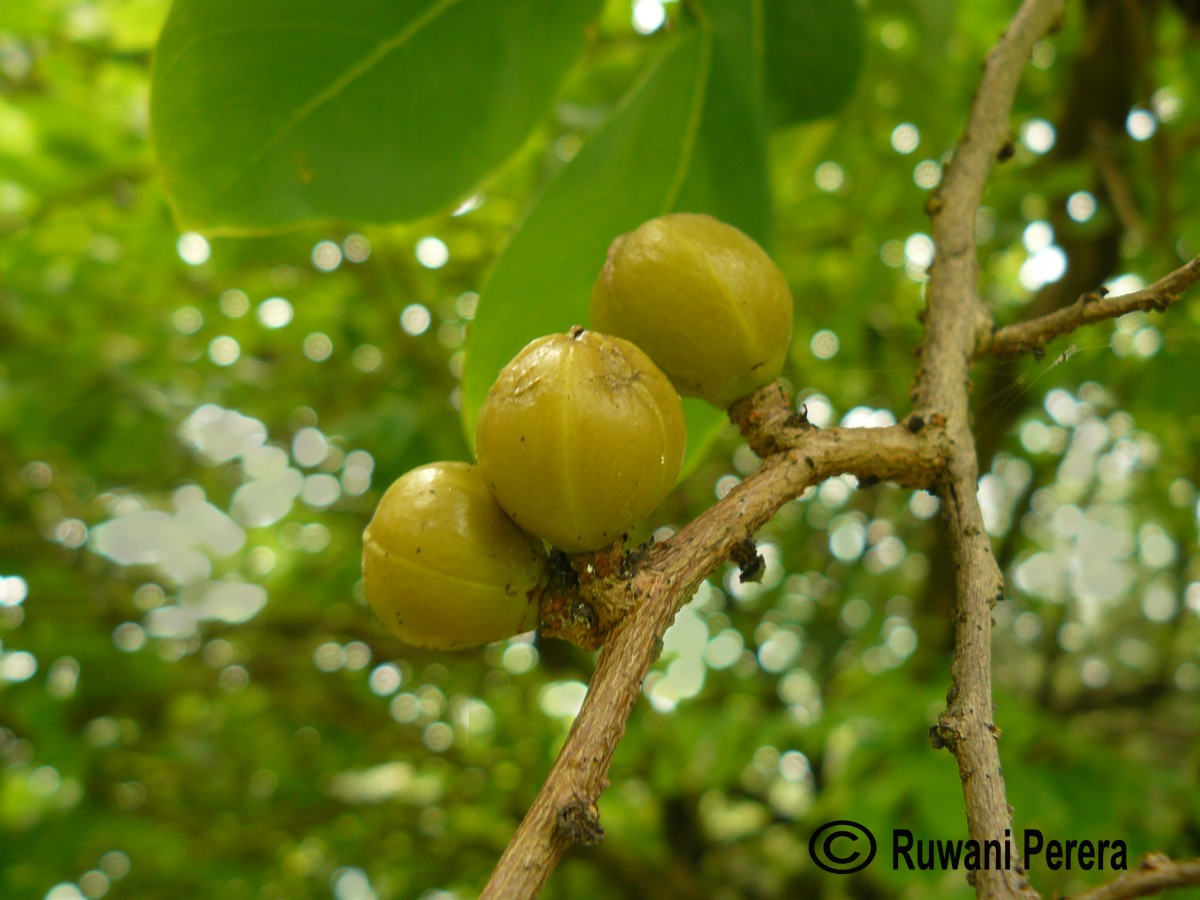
(444, 567)
(580, 438)
(703, 300)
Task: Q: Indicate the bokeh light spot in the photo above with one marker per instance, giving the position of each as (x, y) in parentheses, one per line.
(432, 252)
(415, 319)
(1141, 124)
(326, 256)
(1081, 206)
(275, 312)
(224, 350)
(927, 174)
(318, 347)
(193, 249)
(1038, 135)
(825, 344)
(829, 176)
(648, 16)
(357, 248)
(187, 320)
(905, 138)
(234, 303)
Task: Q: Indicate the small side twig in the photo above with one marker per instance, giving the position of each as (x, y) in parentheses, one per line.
(1035, 334)
(1155, 873)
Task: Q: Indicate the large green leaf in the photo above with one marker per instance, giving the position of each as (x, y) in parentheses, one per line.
(813, 53)
(270, 112)
(690, 137)
(728, 173)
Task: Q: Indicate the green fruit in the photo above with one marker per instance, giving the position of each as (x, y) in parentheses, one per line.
(444, 567)
(703, 300)
(580, 437)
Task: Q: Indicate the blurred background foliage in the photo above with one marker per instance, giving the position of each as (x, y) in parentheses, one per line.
(194, 699)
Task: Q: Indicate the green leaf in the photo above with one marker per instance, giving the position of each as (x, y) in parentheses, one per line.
(813, 53)
(273, 112)
(728, 176)
(680, 141)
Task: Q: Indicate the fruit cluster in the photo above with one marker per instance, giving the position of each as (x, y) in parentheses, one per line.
(581, 436)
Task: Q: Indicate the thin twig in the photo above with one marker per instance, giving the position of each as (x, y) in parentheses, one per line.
(1156, 873)
(564, 811)
(1035, 334)
(956, 320)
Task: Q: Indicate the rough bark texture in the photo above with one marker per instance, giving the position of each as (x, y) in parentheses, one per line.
(957, 321)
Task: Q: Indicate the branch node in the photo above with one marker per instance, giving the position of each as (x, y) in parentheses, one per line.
(579, 822)
(567, 617)
(798, 419)
(749, 560)
(1163, 301)
(767, 420)
(1151, 861)
(1008, 150)
(633, 559)
(562, 613)
(943, 737)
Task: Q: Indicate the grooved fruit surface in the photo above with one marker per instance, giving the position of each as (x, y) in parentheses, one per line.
(703, 300)
(580, 438)
(444, 567)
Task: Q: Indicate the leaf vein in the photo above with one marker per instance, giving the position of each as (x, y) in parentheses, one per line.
(195, 41)
(693, 126)
(339, 84)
